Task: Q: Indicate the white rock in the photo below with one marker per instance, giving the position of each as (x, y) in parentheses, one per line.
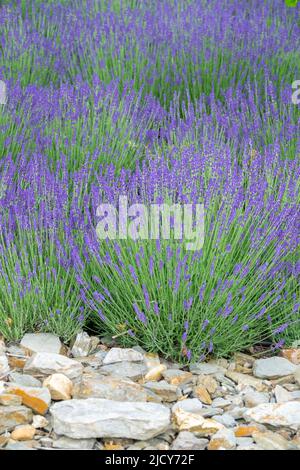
(23, 379)
(39, 422)
(282, 395)
(121, 355)
(84, 345)
(276, 414)
(223, 439)
(190, 405)
(254, 398)
(273, 367)
(226, 419)
(41, 342)
(271, 441)
(59, 386)
(131, 370)
(96, 417)
(188, 441)
(49, 363)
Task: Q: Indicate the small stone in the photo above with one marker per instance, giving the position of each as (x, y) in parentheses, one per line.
(155, 373)
(84, 345)
(209, 412)
(221, 403)
(177, 377)
(237, 412)
(208, 382)
(39, 422)
(273, 368)
(59, 386)
(226, 419)
(4, 367)
(46, 442)
(190, 405)
(24, 432)
(122, 355)
(282, 395)
(276, 414)
(152, 361)
(202, 394)
(23, 379)
(112, 446)
(223, 439)
(244, 441)
(131, 370)
(36, 398)
(12, 416)
(41, 343)
(16, 445)
(6, 399)
(247, 380)
(67, 443)
(49, 363)
(96, 417)
(188, 441)
(292, 355)
(110, 388)
(206, 368)
(246, 431)
(271, 441)
(167, 392)
(254, 398)
(185, 420)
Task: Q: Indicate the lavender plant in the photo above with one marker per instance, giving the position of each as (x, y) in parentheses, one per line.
(161, 101)
(232, 293)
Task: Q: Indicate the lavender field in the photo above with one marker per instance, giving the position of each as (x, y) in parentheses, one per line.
(164, 102)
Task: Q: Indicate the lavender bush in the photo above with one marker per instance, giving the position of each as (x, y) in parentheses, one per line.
(161, 101)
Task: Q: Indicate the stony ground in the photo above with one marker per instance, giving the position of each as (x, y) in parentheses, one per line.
(97, 396)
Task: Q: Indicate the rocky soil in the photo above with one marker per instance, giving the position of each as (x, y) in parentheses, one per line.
(94, 395)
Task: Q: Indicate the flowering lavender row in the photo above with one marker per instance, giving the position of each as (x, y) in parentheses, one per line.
(164, 102)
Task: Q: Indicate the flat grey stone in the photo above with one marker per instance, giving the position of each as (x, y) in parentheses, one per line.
(188, 441)
(122, 355)
(110, 388)
(132, 370)
(49, 363)
(41, 342)
(96, 417)
(24, 379)
(273, 368)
